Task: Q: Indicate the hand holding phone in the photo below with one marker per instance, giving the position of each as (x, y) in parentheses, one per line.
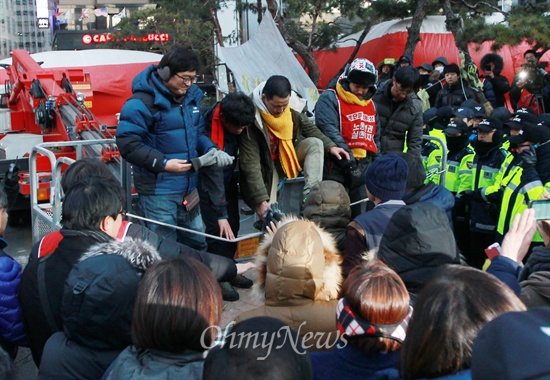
(542, 209)
(493, 250)
(518, 238)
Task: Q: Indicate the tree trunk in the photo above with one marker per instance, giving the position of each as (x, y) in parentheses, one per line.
(354, 52)
(455, 24)
(297, 46)
(259, 8)
(217, 27)
(414, 30)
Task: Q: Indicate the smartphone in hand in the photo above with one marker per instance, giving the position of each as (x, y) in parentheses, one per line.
(542, 209)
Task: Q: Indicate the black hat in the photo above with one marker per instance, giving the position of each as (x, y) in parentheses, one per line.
(535, 134)
(455, 127)
(429, 116)
(515, 123)
(405, 58)
(442, 60)
(488, 124)
(452, 68)
(514, 345)
(527, 116)
(544, 119)
(501, 113)
(464, 112)
(445, 112)
(479, 111)
(283, 358)
(426, 66)
(386, 177)
(526, 110)
(470, 103)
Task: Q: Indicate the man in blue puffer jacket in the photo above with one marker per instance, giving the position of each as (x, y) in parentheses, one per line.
(12, 330)
(160, 133)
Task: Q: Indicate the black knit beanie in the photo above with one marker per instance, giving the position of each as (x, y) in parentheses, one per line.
(386, 177)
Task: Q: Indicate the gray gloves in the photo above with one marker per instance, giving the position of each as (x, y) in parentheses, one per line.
(223, 159)
(205, 160)
(212, 157)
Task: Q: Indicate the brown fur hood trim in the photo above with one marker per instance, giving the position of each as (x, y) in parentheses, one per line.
(332, 270)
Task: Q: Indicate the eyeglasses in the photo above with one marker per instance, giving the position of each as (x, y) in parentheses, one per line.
(187, 78)
(404, 91)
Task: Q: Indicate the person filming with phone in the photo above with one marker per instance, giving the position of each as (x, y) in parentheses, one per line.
(529, 277)
(527, 181)
(531, 86)
(495, 85)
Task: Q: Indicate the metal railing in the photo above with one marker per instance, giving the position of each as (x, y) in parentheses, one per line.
(46, 217)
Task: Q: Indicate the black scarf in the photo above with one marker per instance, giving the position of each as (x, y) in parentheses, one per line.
(482, 148)
(455, 144)
(98, 235)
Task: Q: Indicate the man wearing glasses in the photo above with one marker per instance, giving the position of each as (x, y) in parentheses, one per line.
(399, 111)
(160, 134)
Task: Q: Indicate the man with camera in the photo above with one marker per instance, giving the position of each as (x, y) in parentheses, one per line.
(495, 85)
(531, 87)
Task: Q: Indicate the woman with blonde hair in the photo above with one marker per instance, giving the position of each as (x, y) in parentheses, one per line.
(372, 317)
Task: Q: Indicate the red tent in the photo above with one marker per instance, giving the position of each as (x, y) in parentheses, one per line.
(387, 40)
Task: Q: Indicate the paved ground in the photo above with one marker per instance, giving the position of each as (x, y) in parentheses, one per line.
(19, 244)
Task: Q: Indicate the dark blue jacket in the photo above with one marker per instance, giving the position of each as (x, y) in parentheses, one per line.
(507, 271)
(165, 129)
(351, 363)
(364, 233)
(433, 193)
(12, 329)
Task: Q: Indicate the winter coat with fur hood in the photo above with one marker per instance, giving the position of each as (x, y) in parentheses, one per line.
(97, 308)
(299, 270)
(495, 88)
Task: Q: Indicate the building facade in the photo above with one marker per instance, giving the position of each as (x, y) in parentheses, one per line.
(25, 24)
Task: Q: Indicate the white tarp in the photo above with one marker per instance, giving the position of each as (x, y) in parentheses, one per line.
(264, 55)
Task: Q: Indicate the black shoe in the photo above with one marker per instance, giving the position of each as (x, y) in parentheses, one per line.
(242, 282)
(228, 293)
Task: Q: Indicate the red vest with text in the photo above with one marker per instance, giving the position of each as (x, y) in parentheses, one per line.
(358, 125)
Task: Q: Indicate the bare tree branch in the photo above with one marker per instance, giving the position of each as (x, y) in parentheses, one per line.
(353, 54)
(414, 30)
(482, 4)
(217, 27)
(301, 49)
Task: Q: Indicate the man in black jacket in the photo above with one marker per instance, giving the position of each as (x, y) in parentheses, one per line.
(456, 90)
(495, 84)
(92, 213)
(218, 187)
(400, 112)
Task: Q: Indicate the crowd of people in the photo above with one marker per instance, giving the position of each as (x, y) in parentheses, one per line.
(406, 285)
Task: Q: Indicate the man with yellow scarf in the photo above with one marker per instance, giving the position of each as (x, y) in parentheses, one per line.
(347, 115)
(281, 143)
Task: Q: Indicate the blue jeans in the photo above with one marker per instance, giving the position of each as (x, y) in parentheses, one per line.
(169, 209)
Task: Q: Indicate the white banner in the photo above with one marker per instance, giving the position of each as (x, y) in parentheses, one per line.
(264, 55)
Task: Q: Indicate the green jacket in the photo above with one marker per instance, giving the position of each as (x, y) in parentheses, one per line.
(256, 164)
(458, 164)
(517, 194)
(489, 175)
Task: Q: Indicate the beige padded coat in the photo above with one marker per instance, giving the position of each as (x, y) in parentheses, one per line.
(300, 274)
